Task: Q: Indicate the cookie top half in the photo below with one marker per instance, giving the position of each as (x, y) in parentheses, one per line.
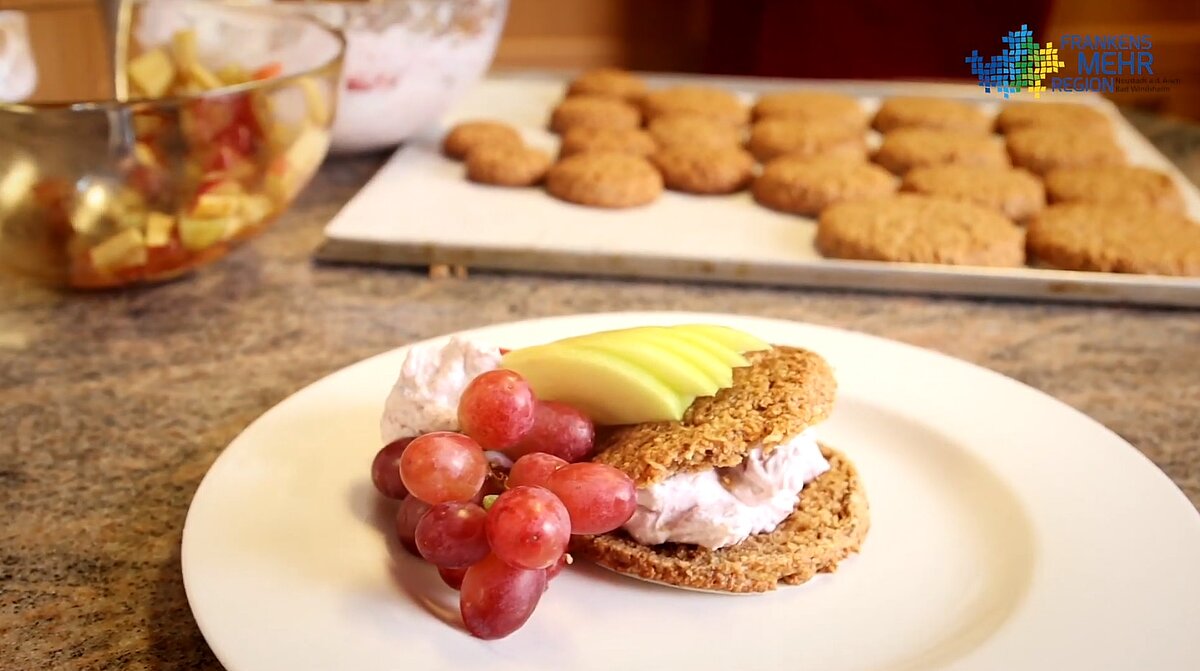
(784, 391)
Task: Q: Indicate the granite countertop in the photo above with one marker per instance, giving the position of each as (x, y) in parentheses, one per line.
(113, 406)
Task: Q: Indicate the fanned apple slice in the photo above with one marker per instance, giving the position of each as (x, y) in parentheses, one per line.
(711, 366)
(729, 357)
(676, 371)
(607, 388)
(729, 337)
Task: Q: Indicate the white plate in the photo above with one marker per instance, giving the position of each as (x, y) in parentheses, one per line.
(1009, 531)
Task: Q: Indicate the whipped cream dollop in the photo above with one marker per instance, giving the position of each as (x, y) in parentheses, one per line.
(724, 506)
(432, 380)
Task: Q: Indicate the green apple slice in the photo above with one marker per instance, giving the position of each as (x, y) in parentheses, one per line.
(716, 370)
(727, 356)
(729, 337)
(675, 371)
(607, 388)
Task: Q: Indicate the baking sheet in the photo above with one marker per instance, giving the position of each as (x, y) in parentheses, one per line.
(420, 210)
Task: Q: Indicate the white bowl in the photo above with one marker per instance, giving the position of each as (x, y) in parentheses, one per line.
(406, 62)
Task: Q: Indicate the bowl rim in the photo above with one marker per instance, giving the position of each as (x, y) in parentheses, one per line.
(331, 66)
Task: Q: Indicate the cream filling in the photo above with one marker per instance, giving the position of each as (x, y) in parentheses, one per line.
(724, 506)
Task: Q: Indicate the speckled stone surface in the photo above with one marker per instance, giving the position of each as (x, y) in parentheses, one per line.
(113, 406)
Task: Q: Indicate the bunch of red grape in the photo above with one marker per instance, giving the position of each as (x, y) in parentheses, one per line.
(499, 540)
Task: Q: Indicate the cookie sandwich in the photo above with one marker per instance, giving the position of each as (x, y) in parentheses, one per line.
(738, 495)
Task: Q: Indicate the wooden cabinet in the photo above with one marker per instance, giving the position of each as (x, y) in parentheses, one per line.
(69, 45)
(796, 38)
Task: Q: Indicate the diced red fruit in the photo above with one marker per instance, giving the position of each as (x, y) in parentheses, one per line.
(385, 469)
(528, 527)
(408, 516)
(443, 466)
(497, 409)
(598, 497)
(534, 469)
(558, 429)
(452, 534)
(166, 260)
(268, 71)
(453, 577)
(497, 599)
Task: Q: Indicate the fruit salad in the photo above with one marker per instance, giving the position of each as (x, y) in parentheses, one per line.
(194, 174)
(497, 477)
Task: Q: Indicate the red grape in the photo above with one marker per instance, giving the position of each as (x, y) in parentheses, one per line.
(443, 466)
(558, 429)
(534, 469)
(385, 469)
(453, 577)
(598, 497)
(496, 409)
(557, 567)
(452, 534)
(497, 598)
(408, 516)
(528, 527)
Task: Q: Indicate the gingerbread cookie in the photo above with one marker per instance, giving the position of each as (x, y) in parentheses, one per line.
(1115, 238)
(604, 180)
(465, 136)
(710, 103)
(779, 137)
(707, 170)
(811, 106)
(908, 148)
(608, 83)
(694, 131)
(1043, 114)
(612, 140)
(1041, 150)
(807, 186)
(1014, 193)
(920, 229)
(930, 113)
(593, 112)
(507, 165)
(1115, 185)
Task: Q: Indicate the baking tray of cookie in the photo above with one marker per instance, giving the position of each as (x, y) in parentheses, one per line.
(419, 210)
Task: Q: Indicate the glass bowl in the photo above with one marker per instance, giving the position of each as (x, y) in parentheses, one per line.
(407, 61)
(220, 115)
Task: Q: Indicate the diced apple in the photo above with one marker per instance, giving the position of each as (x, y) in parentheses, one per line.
(233, 74)
(288, 173)
(203, 77)
(125, 249)
(315, 99)
(185, 49)
(607, 388)
(196, 233)
(143, 154)
(255, 208)
(158, 229)
(214, 204)
(152, 73)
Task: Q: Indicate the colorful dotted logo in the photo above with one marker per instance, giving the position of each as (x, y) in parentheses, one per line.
(1022, 65)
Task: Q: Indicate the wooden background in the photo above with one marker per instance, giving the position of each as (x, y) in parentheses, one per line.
(797, 38)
